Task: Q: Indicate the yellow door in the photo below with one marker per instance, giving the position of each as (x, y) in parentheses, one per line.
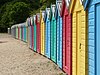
(74, 44)
(41, 37)
(79, 43)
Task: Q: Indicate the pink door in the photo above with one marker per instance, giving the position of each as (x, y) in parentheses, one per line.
(67, 47)
(38, 38)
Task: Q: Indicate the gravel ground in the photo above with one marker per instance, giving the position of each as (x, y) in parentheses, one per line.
(17, 59)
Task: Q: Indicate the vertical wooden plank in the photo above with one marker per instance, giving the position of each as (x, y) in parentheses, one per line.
(98, 39)
(74, 72)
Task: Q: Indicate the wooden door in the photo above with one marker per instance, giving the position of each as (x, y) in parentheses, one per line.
(17, 32)
(43, 38)
(41, 28)
(47, 43)
(46, 39)
(64, 40)
(52, 40)
(39, 38)
(35, 37)
(59, 41)
(78, 42)
(30, 37)
(68, 44)
(48, 36)
(32, 28)
(55, 30)
(20, 33)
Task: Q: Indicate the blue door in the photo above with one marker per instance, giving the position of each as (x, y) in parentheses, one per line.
(59, 41)
(48, 27)
(46, 39)
(47, 43)
(24, 33)
(98, 39)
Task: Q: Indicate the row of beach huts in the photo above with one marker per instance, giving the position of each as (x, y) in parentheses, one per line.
(68, 33)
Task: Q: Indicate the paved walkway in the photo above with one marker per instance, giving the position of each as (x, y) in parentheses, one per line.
(17, 59)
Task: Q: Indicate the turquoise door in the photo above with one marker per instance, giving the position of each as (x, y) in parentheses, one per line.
(30, 38)
(53, 39)
(98, 39)
(34, 37)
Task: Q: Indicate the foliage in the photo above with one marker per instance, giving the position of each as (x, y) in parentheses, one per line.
(12, 12)
(17, 11)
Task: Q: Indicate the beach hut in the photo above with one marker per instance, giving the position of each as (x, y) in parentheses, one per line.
(28, 36)
(34, 23)
(42, 16)
(67, 38)
(24, 32)
(19, 27)
(13, 31)
(38, 36)
(47, 33)
(59, 32)
(53, 33)
(79, 38)
(32, 33)
(16, 31)
(21, 32)
(93, 8)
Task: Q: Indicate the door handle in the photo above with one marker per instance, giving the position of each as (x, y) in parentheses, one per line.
(80, 46)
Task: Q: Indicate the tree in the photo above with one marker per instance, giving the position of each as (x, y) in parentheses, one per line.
(14, 13)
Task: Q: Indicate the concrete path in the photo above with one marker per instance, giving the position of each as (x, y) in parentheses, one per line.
(17, 59)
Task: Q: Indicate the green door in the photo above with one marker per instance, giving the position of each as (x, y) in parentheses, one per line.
(53, 39)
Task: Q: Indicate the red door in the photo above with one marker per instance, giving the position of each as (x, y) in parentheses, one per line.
(38, 38)
(37, 48)
(67, 43)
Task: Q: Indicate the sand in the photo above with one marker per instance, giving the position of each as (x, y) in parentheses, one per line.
(17, 59)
